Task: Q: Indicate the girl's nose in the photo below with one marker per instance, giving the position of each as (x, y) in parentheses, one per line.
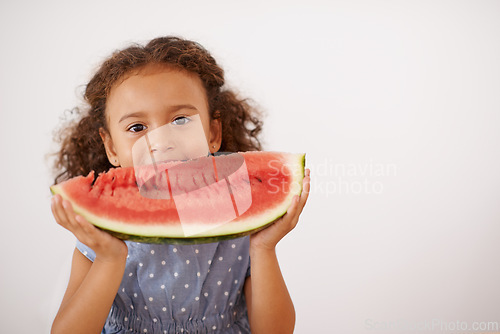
(160, 140)
(160, 148)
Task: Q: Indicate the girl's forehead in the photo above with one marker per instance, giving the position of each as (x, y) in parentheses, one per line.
(156, 84)
(153, 69)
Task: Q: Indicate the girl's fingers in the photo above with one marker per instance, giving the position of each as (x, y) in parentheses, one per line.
(70, 214)
(105, 245)
(306, 187)
(285, 222)
(274, 233)
(294, 217)
(59, 212)
(65, 216)
(299, 202)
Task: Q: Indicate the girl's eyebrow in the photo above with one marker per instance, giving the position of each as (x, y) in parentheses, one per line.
(170, 110)
(182, 106)
(130, 115)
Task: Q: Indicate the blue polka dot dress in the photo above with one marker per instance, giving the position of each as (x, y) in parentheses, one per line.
(181, 289)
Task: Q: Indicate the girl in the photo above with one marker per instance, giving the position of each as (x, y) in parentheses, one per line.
(128, 287)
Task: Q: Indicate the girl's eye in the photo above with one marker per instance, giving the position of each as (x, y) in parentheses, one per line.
(136, 128)
(181, 120)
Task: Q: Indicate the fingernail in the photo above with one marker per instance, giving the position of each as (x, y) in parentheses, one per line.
(65, 204)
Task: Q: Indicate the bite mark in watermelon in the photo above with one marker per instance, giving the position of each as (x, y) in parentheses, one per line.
(230, 203)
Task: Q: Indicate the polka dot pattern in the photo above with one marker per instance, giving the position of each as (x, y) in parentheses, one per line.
(181, 288)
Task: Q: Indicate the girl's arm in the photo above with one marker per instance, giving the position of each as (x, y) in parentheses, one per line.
(270, 308)
(92, 286)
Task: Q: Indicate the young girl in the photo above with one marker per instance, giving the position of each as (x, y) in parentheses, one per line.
(128, 287)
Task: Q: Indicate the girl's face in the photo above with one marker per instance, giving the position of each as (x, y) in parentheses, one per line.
(167, 109)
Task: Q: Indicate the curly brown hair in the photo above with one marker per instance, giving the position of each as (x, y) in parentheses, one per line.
(82, 149)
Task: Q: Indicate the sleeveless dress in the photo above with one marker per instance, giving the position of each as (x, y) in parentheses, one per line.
(181, 289)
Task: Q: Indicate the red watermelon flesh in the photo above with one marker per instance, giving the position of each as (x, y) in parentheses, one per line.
(202, 200)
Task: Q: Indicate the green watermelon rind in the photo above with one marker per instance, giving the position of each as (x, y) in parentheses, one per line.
(217, 234)
(185, 241)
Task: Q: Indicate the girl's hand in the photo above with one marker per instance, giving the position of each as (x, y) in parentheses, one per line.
(106, 247)
(268, 238)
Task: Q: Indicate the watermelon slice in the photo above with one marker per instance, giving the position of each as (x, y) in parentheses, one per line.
(208, 199)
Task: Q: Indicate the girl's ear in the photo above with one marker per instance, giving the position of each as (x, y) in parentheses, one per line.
(215, 134)
(110, 148)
